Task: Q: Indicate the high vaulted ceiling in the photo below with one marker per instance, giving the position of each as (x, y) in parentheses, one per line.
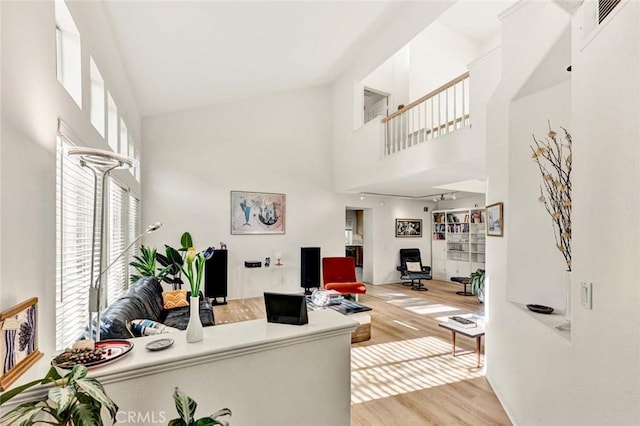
(187, 54)
(182, 54)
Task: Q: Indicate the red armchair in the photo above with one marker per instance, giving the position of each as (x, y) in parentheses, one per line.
(339, 273)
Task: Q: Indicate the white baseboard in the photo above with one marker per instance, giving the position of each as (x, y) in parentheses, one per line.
(500, 397)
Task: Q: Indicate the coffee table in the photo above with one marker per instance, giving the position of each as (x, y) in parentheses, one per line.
(476, 332)
(355, 311)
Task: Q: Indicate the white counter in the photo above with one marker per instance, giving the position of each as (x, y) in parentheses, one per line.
(268, 374)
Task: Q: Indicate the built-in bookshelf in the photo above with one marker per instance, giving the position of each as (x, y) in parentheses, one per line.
(457, 243)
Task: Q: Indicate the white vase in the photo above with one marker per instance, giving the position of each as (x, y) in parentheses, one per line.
(194, 329)
(567, 289)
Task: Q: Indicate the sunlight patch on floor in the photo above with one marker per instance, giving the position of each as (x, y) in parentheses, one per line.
(404, 324)
(387, 369)
(430, 309)
(419, 305)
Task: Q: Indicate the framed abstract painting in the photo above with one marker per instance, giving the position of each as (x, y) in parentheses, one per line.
(408, 228)
(19, 340)
(257, 213)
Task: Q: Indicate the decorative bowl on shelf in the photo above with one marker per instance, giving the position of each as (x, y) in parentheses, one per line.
(104, 352)
(540, 309)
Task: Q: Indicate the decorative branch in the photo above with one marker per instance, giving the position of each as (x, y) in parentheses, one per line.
(553, 157)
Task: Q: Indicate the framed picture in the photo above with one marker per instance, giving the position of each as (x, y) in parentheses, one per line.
(257, 213)
(19, 340)
(495, 220)
(408, 228)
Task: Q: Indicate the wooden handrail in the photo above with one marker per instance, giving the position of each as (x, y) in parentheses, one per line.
(427, 96)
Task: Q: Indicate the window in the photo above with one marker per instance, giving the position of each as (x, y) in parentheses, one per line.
(124, 139)
(97, 98)
(112, 123)
(134, 226)
(118, 236)
(132, 154)
(68, 63)
(74, 228)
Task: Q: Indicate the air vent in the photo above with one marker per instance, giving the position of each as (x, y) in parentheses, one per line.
(605, 7)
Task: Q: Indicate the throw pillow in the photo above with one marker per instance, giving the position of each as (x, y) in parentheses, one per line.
(145, 327)
(414, 267)
(175, 299)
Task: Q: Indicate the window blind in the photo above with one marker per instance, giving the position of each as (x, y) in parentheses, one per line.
(74, 228)
(134, 227)
(116, 276)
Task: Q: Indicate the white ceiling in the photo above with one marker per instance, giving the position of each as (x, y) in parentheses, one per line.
(476, 20)
(181, 55)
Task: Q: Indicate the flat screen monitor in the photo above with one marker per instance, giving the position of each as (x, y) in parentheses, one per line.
(286, 308)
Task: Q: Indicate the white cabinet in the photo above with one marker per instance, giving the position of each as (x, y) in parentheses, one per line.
(457, 242)
(439, 259)
(458, 268)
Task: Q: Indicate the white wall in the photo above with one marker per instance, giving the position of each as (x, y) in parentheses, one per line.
(540, 377)
(606, 108)
(392, 77)
(438, 55)
(279, 143)
(32, 101)
(538, 274)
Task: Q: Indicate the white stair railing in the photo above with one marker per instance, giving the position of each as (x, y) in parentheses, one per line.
(437, 113)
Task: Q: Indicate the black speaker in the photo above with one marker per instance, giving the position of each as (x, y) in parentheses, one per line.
(309, 268)
(215, 277)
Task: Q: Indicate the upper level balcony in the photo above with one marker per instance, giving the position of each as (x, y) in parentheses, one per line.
(435, 140)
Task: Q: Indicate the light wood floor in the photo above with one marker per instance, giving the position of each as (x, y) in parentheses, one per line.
(405, 374)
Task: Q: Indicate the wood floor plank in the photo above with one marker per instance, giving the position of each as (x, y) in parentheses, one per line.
(405, 374)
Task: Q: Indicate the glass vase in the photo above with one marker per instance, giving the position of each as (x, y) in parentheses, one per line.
(194, 328)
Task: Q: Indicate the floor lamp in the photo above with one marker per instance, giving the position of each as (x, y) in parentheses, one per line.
(101, 163)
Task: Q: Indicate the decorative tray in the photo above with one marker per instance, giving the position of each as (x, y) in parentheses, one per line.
(540, 309)
(158, 345)
(105, 352)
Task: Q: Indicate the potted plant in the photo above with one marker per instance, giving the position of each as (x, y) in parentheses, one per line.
(173, 260)
(186, 408)
(477, 284)
(73, 400)
(146, 265)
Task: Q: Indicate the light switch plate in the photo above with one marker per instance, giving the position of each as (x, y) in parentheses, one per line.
(586, 295)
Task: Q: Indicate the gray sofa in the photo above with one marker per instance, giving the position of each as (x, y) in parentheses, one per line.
(143, 300)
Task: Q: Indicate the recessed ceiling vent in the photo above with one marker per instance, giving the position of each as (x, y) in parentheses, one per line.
(605, 7)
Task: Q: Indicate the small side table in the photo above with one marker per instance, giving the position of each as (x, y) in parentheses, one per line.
(465, 282)
(475, 332)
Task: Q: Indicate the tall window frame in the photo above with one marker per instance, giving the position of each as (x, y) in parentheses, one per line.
(74, 230)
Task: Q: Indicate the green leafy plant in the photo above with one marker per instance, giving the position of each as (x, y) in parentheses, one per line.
(74, 400)
(195, 277)
(186, 408)
(146, 265)
(173, 260)
(477, 282)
